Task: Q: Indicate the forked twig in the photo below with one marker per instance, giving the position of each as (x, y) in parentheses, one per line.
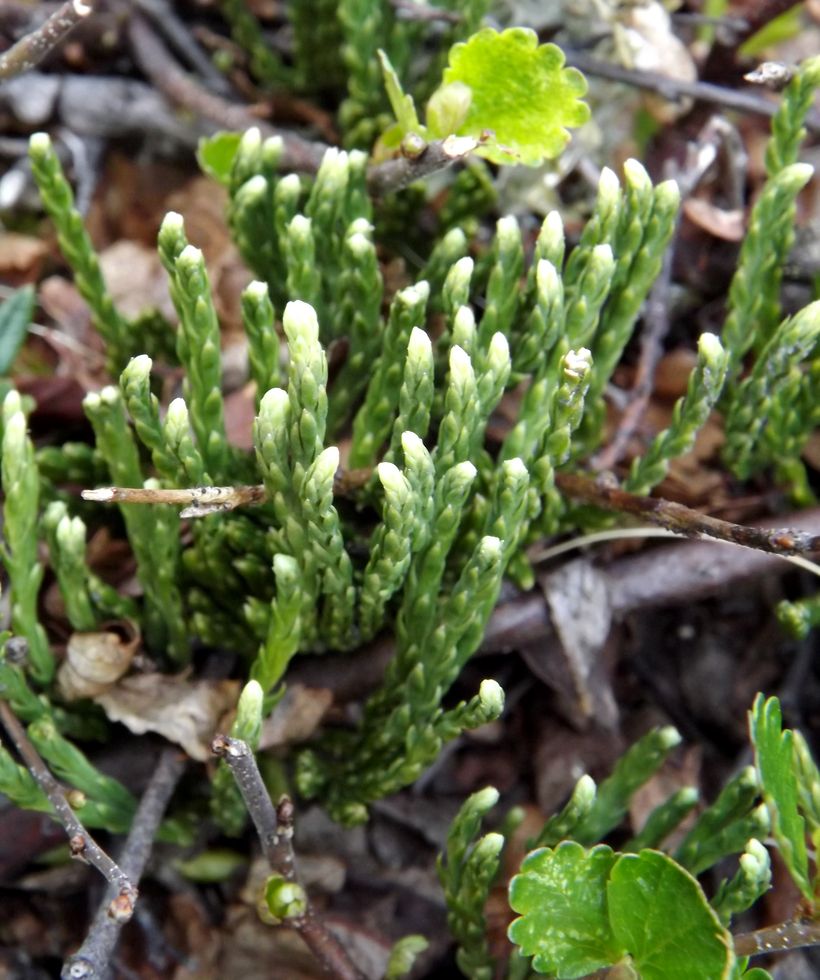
(81, 843)
(31, 49)
(274, 825)
(92, 959)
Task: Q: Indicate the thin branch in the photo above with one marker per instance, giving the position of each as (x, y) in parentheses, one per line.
(402, 171)
(81, 843)
(155, 61)
(274, 825)
(31, 49)
(179, 36)
(92, 959)
(683, 520)
(774, 939)
(675, 89)
(197, 502)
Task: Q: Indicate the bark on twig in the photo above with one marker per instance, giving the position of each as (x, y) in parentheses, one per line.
(31, 49)
(274, 825)
(91, 961)
(773, 939)
(196, 502)
(683, 520)
(82, 844)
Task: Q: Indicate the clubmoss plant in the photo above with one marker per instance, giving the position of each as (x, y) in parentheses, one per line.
(297, 547)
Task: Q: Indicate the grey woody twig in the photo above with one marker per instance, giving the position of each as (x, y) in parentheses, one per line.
(92, 959)
(786, 935)
(81, 843)
(274, 825)
(683, 520)
(31, 49)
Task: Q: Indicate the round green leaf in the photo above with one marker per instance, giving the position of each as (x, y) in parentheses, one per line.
(659, 914)
(561, 896)
(520, 91)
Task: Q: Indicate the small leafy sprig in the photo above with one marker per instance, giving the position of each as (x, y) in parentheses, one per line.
(584, 908)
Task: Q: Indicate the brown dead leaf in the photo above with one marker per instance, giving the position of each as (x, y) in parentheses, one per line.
(184, 711)
(96, 661)
(21, 257)
(672, 376)
(136, 279)
(728, 225)
(296, 717)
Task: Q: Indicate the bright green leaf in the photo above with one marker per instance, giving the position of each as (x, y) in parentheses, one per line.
(216, 153)
(15, 317)
(213, 866)
(659, 914)
(404, 109)
(561, 897)
(757, 973)
(520, 91)
(774, 758)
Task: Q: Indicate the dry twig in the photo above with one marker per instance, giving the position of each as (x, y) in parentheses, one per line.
(274, 825)
(82, 844)
(31, 49)
(92, 959)
(772, 939)
(685, 521)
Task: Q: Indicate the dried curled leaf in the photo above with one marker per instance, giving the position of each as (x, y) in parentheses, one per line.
(521, 91)
(185, 712)
(95, 661)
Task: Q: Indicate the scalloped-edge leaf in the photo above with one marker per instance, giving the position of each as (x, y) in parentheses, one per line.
(215, 155)
(560, 895)
(774, 758)
(660, 916)
(15, 317)
(521, 91)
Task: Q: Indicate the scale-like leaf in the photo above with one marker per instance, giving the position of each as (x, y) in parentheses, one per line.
(561, 897)
(660, 916)
(774, 758)
(521, 91)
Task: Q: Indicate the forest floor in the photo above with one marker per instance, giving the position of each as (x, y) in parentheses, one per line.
(680, 633)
